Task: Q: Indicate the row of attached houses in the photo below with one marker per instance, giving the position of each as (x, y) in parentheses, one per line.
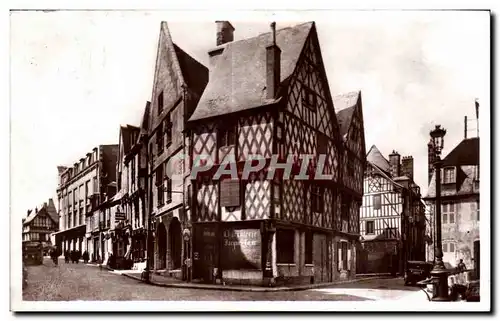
(392, 217)
(266, 95)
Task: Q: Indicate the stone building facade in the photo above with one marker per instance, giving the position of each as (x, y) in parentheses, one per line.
(459, 202)
(82, 187)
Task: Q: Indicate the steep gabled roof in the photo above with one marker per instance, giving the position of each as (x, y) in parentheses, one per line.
(465, 157)
(238, 81)
(127, 134)
(345, 105)
(145, 122)
(51, 210)
(47, 209)
(195, 74)
(188, 71)
(375, 157)
(465, 153)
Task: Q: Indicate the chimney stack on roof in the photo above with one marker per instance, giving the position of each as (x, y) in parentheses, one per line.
(394, 163)
(273, 65)
(407, 166)
(225, 32)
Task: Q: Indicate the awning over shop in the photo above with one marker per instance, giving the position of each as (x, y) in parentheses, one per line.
(79, 230)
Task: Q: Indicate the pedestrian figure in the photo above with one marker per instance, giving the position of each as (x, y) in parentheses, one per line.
(461, 266)
(85, 257)
(66, 256)
(54, 255)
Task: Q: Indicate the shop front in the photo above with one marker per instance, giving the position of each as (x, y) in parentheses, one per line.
(71, 239)
(121, 251)
(229, 252)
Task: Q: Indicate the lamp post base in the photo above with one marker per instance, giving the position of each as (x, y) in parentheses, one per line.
(440, 287)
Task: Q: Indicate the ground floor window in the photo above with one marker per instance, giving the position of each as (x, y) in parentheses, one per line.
(285, 246)
(344, 255)
(308, 248)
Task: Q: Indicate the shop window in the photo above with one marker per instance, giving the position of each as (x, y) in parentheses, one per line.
(344, 255)
(308, 248)
(285, 246)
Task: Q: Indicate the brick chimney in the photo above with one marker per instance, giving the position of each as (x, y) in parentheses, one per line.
(225, 34)
(273, 65)
(407, 166)
(395, 165)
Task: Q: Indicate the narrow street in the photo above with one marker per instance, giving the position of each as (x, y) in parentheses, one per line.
(67, 282)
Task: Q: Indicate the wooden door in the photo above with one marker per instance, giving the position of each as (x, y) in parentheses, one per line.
(320, 258)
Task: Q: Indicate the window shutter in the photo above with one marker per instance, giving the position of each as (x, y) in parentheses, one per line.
(349, 259)
(339, 256)
(230, 193)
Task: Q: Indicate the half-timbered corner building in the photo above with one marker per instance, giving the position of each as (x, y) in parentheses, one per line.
(392, 218)
(269, 95)
(178, 83)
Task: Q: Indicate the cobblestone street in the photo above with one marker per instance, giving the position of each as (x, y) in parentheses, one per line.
(68, 282)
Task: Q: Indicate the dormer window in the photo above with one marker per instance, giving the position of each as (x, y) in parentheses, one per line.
(449, 175)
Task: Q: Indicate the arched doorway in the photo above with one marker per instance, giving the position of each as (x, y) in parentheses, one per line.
(175, 242)
(161, 238)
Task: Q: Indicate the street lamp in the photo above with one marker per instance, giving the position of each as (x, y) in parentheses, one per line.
(439, 273)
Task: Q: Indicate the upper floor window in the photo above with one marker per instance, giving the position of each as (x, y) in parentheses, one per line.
(230, 192)
(132, 167)
(168, 129)
(160, 142)
(448, 213)
(159, 185)
(277, 191)
(377, 202)
(322, 143)
(160, 103)
(309, 98)
(169, 189)
(449, 175)
(474, 209)
(370, 227)
(227, 136)
(316, 199)
(350, 165)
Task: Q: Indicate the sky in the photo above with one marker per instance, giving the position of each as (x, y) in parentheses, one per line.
(76, 76)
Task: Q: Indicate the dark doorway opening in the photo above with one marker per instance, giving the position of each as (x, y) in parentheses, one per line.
(175, 238)
(162, 246)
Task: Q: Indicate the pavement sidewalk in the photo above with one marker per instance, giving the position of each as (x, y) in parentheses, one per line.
(173, 283)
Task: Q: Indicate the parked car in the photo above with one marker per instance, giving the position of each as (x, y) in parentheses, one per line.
(417, 271)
